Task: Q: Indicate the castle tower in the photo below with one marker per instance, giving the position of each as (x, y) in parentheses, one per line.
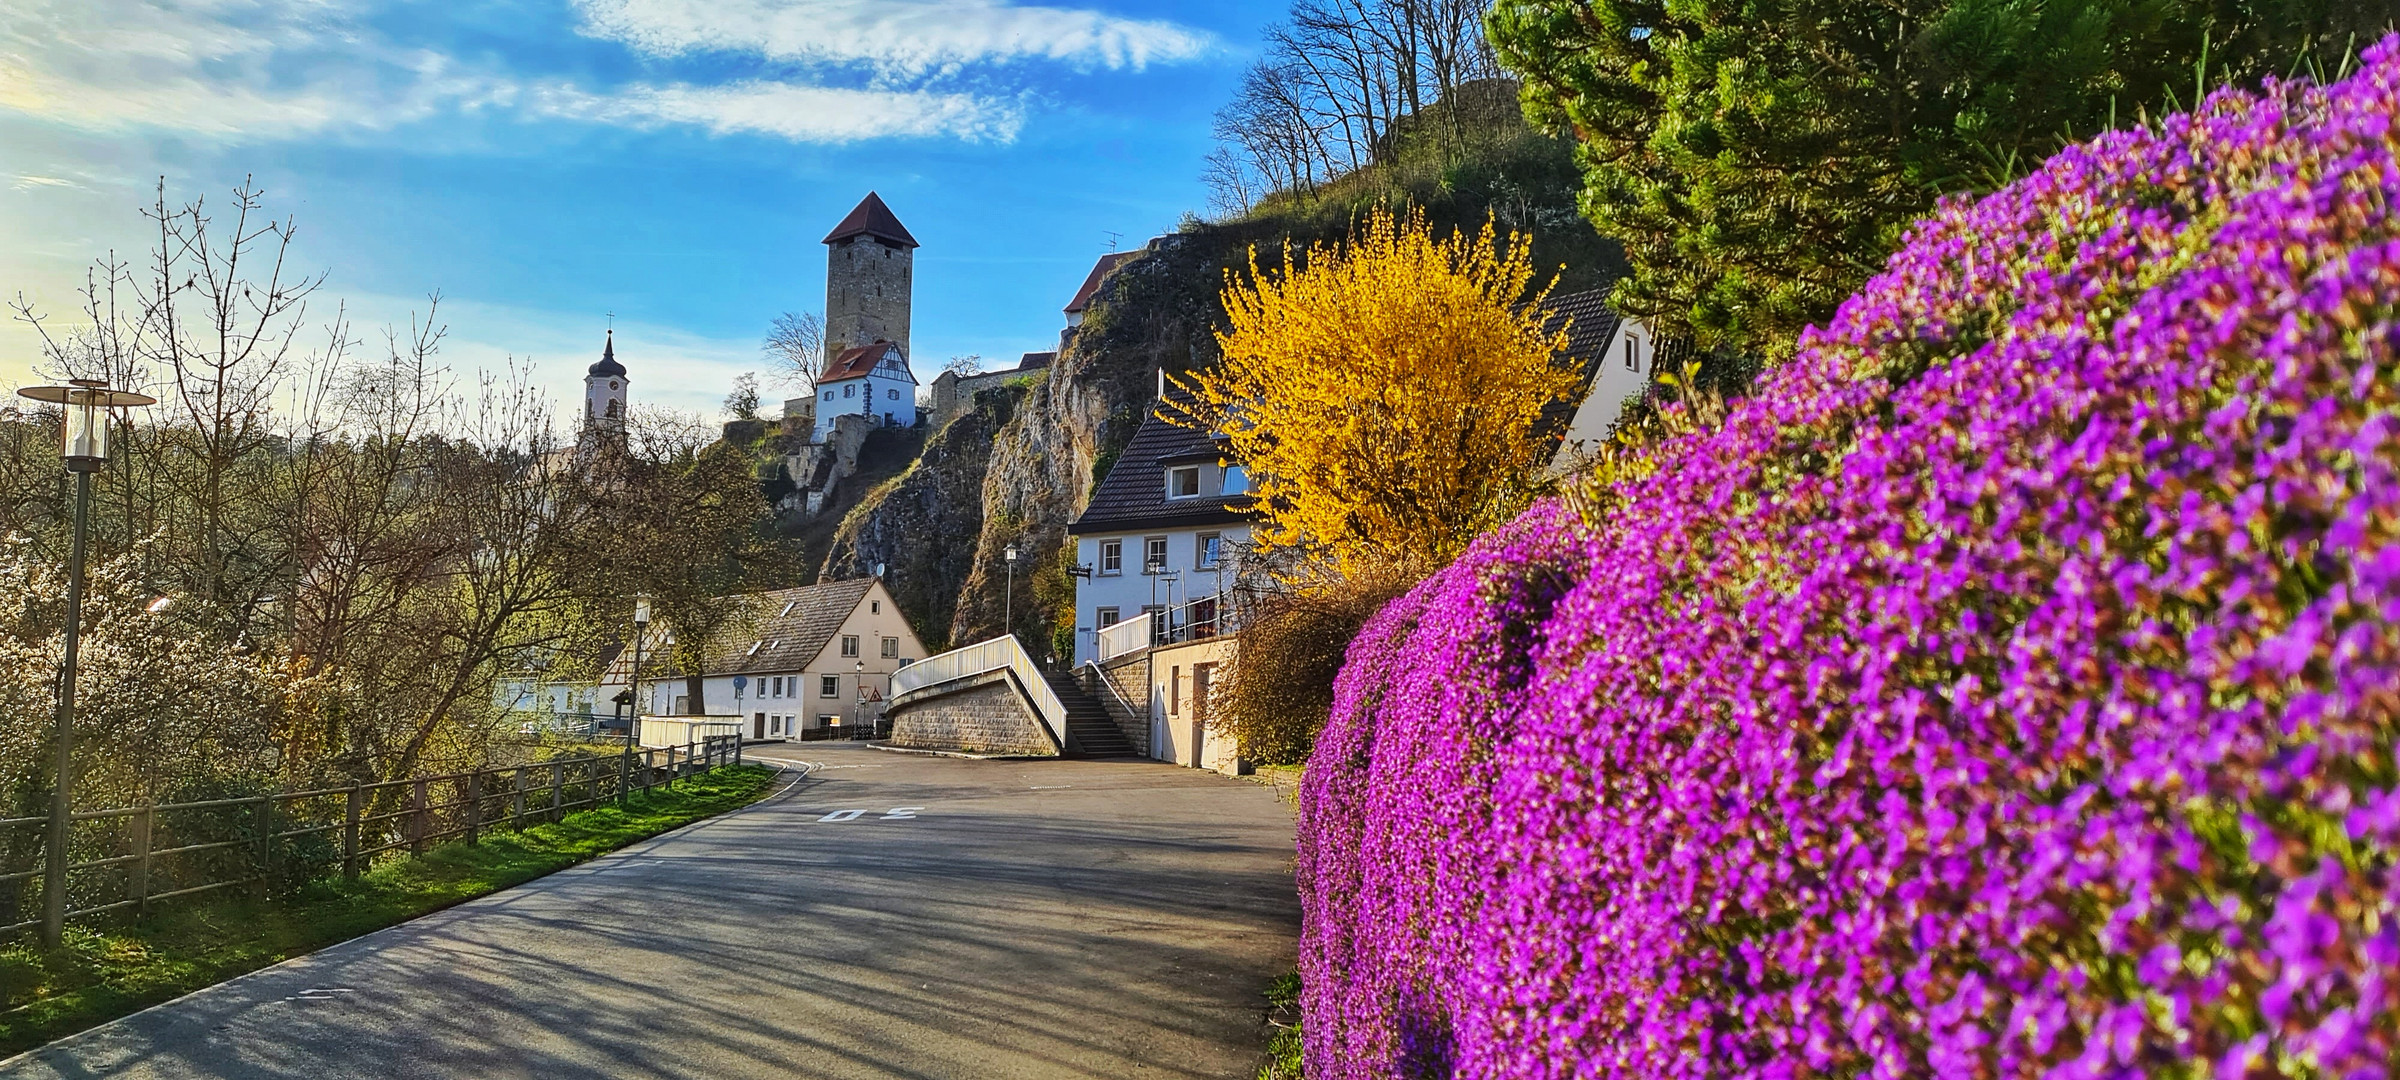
(604, 391)
(868, 268)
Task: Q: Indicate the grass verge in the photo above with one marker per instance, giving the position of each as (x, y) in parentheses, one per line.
(1283, 1026)
(101, 973)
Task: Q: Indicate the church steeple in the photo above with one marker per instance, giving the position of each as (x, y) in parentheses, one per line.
(604, 391)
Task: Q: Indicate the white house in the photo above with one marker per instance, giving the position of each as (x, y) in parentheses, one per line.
(1159, 536)
(816, 656)
(1619, 358)
(871, 380)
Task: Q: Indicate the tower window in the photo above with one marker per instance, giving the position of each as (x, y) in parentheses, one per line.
(850, 391)
(892, 394)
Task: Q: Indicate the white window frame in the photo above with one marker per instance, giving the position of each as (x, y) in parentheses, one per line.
(1236, 481)
(891, 648)
(1175, 472)
(1165, 553)
(1201, 555)
(849, 646)
(829, 686)
(1103, 618)
(1112, 557)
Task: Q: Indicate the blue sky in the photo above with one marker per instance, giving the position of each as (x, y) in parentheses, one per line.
(542, 162)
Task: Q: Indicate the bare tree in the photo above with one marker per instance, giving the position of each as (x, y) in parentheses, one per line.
(1340, 77)
(964, 367)
(796, 345)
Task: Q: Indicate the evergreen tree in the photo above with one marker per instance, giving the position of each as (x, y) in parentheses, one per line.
(1759, 158)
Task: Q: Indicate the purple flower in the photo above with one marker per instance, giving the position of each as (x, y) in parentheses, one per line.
(2009, 687)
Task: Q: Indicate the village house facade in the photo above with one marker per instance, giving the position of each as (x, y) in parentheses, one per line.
(1159, 537)
(816, 656)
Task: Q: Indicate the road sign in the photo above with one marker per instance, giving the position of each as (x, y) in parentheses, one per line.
(740, 682)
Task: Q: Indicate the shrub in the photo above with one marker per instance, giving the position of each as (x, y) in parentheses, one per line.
(2009, 687)
(1275, 693)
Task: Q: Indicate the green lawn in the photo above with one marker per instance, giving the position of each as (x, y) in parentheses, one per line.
(102, 973)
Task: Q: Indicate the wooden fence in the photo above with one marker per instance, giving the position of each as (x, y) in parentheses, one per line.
(129, 858)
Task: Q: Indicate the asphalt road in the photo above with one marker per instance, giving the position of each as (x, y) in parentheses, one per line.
(889, 916)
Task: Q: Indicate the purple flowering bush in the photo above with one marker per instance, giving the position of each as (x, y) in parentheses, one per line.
(2010, 687)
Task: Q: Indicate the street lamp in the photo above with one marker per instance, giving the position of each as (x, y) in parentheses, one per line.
(633, 677)
(1008, 594)
(85, 449)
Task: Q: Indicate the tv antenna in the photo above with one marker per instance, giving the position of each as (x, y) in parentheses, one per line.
(1114, 238)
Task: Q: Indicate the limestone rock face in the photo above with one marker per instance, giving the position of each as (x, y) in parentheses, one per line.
(1154, 312)
(922, 526)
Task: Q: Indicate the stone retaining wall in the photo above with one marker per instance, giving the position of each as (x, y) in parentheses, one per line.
(1131, 677)
(985, 716)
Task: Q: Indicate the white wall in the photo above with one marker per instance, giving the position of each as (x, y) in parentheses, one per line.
(1130, 590)
(876, 618)
(1625, 370)
(892, 394)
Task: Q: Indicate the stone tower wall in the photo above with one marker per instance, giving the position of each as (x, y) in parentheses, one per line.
(867, 285)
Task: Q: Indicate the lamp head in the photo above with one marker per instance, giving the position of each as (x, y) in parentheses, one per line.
(87, 402)
(1012, 553)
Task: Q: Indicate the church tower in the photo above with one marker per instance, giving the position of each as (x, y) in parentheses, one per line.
(604, 387)
(868, 269)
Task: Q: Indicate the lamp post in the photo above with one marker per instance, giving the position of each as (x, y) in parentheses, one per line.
(1008, 595)
(858, 712)
(85, 449)
(633, 675)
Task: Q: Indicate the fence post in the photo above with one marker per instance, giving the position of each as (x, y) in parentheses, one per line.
(689, 753)
(558, 790)
(516, 805)
(416, 818)
(624, 775)
(266, 841)
(737, 749)
(474, 786)
(350, 814)
(141, 861)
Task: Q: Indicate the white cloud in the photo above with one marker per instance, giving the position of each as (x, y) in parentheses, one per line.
(895, 36)
(231, 71)
(797, 113)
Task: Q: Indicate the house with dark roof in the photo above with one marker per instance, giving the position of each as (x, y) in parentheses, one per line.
(813, 657)
(1159, 534)
(1618, 359)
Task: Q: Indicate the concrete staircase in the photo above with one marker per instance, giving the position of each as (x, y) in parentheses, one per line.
(1090, 731)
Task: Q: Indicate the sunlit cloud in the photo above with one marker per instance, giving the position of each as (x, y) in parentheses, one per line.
(786, 111)
(266, 70)
(896, 36)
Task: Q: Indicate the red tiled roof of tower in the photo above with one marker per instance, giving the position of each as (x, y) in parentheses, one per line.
(872, 218)
(1091, 283)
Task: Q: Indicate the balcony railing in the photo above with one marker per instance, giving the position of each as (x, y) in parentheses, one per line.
(1199, 620)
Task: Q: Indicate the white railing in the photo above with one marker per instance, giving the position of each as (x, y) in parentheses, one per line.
(1204, 618)
(986, 656)
(1130, 636)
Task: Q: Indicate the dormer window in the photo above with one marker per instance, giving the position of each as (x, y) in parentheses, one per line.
(1183, 482)
(1237, 479)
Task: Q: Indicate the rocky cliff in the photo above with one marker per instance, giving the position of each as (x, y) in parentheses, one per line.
(1160, 312)
(922, 525)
